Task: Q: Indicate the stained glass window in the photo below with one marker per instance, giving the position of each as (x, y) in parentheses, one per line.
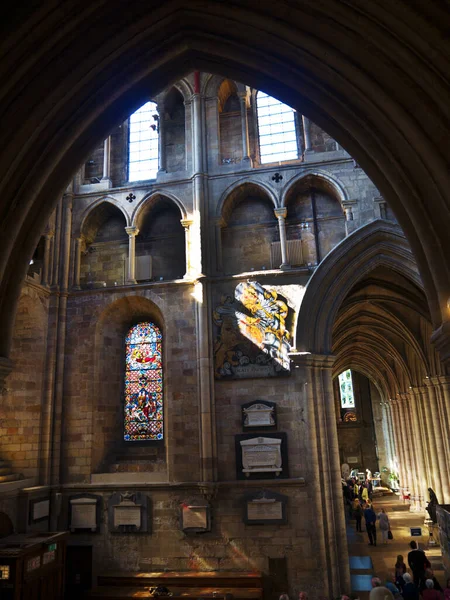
(346, 389)
(143, 384)
(143, 143)
(277, 131)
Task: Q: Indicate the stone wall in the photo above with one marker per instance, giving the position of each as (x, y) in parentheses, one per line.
(20, 409)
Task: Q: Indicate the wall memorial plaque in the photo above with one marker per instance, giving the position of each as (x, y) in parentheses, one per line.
(129, 513)
(84, 513)
(265, 508)
(261, 457)
(195, 517)
(260, 414)
(39, 510)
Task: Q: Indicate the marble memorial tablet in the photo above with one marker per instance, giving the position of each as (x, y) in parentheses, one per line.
(129, 513)
(195, 516)
(261, 455)
(265, 508)
(83, 514)
(259, 414)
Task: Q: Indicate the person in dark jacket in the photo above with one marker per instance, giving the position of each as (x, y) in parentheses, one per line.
(410, 591)
(417, 562)
(371, 519)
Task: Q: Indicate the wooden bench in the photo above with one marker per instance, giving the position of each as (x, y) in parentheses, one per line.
(189, 585)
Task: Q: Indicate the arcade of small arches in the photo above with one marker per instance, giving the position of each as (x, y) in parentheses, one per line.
(316, 235)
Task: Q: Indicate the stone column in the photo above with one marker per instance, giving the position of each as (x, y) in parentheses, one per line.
(132, 233)
(381, 207)
(307, 134)
(442, 387)
(244, 126)
(410, 449)
(107, 160)
(47, 256)
(398, 428)
(219, 225)
(77, 267)
(187, 224)
(329, 527)
(417, 442)
(280, 214)
(162, 162)
(437, 447)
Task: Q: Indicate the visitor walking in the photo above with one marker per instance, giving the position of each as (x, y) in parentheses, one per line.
(384, 525)
(357, 513)
(371, 518)
(364, 493)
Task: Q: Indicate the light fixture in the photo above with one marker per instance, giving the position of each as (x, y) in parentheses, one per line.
(31, 262)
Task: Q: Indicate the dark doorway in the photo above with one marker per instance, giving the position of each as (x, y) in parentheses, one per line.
(78, 571)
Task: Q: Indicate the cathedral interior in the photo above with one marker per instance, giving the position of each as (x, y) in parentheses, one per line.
(224, 273)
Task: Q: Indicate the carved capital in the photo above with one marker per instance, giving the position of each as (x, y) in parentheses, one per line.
(280, 213)
(132, 231)
(186, 223)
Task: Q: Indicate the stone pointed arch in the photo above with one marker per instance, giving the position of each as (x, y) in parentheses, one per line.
(329, 180)
(241, 183)
(152, 198)
(378, 243)
(91, 207)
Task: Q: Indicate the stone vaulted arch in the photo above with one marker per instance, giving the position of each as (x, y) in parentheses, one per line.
(73, 71)
(378, 243)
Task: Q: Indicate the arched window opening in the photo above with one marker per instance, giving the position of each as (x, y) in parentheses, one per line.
(143, 143)
(348, 410)
(277, 130)
(143, 418)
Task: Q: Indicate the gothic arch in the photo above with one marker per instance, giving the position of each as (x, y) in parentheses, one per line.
(337, 188)
(231, 190)
(378, 243)
(342, 75)
(92, 207)
(148, 201)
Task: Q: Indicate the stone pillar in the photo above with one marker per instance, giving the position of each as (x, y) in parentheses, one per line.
(280, 214)
(417, 442)
(187, 239)
(329, 528)
(437, 447)
(443, 385)
(398, 428)
(132, 233)
(107, 160)
(219, 225)
(381, 207)
(410, 449)
(162, 162)
(77, 267)
(307, 134)
(244, 125)
(46, 273)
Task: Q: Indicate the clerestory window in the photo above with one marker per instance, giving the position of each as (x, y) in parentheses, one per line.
(143, 143)
(277, 130)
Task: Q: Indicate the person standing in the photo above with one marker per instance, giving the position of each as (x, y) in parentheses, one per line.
(357, 513)
(429, 593)
(447, 591)
(378, 591)
(384, 525)
(400, 570)
(410, 591)
(371, 518)
(365, 493)
(417, 562)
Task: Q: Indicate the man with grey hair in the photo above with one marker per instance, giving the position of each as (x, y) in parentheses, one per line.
(378, 591)
(410, 592)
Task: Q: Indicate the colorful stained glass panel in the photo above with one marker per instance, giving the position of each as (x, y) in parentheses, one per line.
(143, 420)
(346, 389)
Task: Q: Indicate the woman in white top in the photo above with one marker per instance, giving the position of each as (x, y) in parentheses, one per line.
(384, 525)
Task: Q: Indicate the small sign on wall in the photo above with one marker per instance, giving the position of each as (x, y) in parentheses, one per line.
(39, 510)
(195, 516)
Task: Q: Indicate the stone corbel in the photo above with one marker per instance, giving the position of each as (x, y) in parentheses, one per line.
(349, 206)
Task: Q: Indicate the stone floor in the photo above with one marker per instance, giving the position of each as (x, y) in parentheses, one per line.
(367, 561)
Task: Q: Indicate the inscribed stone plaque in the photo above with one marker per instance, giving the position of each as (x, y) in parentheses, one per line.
(127, 515)
(265, 508)
(39, 510)
(261, 457)
(258, 510)
(195, 516)
(260, 414)
(83, 513)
